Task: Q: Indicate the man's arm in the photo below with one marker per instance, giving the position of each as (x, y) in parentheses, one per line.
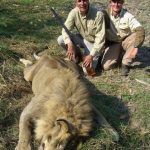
(73, 52)
(98, 42)
(140, 36)
(137, 28)
(99, 36)
(69, 23)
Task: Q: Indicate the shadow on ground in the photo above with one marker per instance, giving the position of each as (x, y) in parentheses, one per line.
(110, 106)
(113, 109)
(143, 58)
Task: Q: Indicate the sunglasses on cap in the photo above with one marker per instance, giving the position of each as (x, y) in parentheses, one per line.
(117, 1)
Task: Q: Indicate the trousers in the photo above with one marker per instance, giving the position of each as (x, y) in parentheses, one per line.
(113, 51)
(85, 45)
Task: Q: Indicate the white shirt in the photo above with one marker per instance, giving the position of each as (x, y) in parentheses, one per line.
(121, 26)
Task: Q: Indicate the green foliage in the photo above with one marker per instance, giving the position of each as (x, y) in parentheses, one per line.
(27, 26)
(5, 53)
(26, 1)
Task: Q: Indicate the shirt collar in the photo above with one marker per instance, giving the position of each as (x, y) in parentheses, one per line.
(89, 11)
(122, 12)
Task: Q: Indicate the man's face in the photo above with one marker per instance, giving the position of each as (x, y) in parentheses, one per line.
(116, 6)
(83, 6)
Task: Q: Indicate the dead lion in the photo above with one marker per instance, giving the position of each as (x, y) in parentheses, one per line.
(61, 107)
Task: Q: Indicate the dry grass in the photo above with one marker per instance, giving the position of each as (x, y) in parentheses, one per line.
(27, 26)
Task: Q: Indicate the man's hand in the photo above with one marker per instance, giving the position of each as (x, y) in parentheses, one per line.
(88, 61)
(70, 51)
(132, 53)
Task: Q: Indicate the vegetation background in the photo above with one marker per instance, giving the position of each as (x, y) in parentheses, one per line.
(27, 26)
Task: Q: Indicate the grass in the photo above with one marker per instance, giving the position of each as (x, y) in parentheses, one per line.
(27, 26)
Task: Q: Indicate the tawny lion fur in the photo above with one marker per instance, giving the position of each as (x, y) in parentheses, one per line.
(61, 107)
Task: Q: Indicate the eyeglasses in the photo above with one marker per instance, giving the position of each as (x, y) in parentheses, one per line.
(116, 1)
(82, 0)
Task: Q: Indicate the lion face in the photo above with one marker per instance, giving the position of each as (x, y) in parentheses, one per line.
(56, 142)
(59, 137)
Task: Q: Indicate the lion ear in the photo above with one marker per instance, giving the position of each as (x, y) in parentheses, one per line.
(64, 124)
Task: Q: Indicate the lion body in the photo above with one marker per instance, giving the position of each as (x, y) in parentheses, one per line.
(59, 94)
(60, 109)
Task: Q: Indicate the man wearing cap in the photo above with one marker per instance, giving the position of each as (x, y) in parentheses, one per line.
(90, 24)
(123, 32)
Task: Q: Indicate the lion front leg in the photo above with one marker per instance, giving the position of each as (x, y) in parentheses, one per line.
(24, 132)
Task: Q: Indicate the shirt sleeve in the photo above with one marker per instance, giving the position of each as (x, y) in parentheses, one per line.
(99, 36)
(69, 23)
(136, 28)
(133, 22)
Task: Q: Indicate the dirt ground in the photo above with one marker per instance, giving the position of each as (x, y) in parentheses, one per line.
(15, 92)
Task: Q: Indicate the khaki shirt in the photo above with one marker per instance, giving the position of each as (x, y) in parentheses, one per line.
(122, 26)
(91, 27)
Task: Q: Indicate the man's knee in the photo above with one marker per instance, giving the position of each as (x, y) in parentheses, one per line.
(60, 40)
(109, 65)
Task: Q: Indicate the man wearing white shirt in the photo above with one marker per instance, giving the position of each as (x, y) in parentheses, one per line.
(90, 24)
(123, 32)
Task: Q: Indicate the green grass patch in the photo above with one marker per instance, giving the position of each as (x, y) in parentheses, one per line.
(27, 26)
